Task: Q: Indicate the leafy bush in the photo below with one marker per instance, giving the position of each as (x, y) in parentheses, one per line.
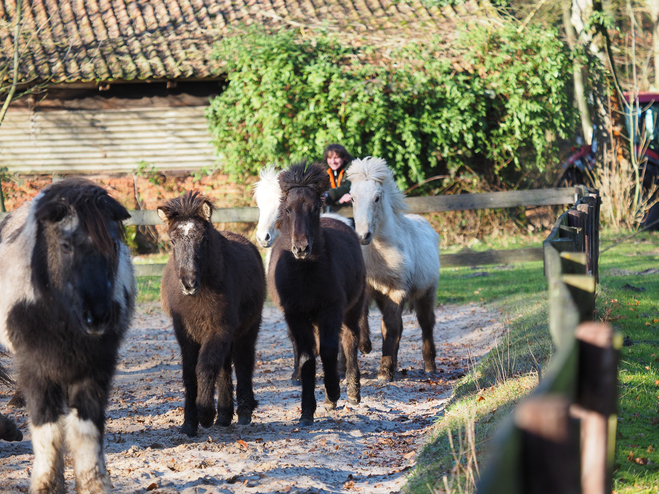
(289, 96)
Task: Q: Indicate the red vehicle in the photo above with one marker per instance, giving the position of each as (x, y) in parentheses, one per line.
(641, 122)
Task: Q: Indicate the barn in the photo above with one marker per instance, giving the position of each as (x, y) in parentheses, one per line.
(116, 83)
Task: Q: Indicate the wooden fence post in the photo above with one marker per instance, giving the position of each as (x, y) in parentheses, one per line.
(550, 446)
(596, 404)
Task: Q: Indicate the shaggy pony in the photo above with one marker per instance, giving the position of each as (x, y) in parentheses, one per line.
(401, 252)
(66, 299)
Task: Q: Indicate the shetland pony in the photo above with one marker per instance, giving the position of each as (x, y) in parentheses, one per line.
(213, 286)
(318, 276)
(401, 253)
(67, 297)
(267, 194)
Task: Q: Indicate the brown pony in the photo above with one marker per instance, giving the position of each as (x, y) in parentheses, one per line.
(317, 276)
(213, 286)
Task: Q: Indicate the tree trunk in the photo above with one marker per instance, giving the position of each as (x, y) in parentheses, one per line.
(577, 75)
(654, 11)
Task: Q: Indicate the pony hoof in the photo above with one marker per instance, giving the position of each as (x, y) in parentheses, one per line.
(330, 405)
(223, 420)
(366, 347)
(354, 400)
(206, 415)
(306, 421)
(188, 430)
(430, 367)
(244, 419)
(385, 376)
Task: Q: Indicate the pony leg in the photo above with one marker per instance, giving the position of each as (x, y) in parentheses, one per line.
(329, 329)
(46, 408)
(392, 327)
(350, 340)
(189, 356)
(425, 314)
(225, 394)
(84, 426)
(295, 376)
(365, 344)
(212, 354)
(305, 341)
(245, 350)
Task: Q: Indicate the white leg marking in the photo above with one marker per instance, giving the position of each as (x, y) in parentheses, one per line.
(48, 468)
(85, 443)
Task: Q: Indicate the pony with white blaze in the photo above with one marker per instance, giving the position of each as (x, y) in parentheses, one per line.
(401, 252)
(268, 196)
(67, 294)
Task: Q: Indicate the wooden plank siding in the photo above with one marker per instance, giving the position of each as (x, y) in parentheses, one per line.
(106, 141)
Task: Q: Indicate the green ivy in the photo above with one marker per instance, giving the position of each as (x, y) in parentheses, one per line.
(289, 96)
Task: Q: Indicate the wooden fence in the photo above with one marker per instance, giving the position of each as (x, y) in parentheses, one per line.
(418, 205)
(464, 202)
(561, 439)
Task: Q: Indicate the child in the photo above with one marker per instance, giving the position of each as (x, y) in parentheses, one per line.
(338, 159)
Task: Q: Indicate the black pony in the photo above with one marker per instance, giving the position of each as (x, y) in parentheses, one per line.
(214, 288)
(318, 275)
(66, 299)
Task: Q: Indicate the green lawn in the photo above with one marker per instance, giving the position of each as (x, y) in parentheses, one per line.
(626, 300)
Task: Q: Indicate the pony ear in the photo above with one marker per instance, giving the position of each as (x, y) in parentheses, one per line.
(206, 211)
(162, 215)
(116, 211)
(53, 212)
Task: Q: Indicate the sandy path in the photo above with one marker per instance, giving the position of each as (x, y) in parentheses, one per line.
(364, 448)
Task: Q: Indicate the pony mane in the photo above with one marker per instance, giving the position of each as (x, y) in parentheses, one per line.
(376, 170)
(300, 175)
(95, 209)
(186, 206)
(268, 185)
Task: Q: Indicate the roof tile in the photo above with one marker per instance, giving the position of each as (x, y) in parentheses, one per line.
(98, 40)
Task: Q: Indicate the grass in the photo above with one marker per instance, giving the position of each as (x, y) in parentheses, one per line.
(490, 390)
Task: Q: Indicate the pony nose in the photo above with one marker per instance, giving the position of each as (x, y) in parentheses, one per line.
(96, 319)
(268, 237)
(301, 251)
(366, 238)
(188, 285)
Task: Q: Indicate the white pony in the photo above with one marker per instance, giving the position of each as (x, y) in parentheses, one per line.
(267, 194)
(401, 252)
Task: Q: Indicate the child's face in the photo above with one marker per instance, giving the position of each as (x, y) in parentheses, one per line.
(334, 161)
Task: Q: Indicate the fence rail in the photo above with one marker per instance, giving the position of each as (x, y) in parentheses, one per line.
(418, 205)
(562, 437)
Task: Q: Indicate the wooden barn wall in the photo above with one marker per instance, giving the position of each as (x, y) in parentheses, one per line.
(85, 141)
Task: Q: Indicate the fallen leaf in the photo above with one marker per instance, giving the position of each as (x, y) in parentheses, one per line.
(242, 443)
(480, 398)
(152, 487)
(641, 461)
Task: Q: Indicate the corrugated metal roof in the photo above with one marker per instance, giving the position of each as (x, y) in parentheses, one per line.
(105, 40)
(74, 141)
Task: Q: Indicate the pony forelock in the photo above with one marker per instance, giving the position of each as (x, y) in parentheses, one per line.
(268, 186)
(187, 205)
(376, 170)
(304, 176)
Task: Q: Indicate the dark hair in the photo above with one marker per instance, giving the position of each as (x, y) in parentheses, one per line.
(340, 151)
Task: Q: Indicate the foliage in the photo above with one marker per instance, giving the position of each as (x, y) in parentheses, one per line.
(289, 96)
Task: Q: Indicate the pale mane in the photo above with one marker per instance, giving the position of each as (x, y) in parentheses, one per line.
(267, 188)
(376, 170)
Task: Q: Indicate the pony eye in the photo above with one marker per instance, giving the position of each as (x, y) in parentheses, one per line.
(377, 198)
(66, 247)
(287, 211)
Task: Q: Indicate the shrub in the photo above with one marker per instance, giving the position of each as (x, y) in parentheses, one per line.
(421, 109)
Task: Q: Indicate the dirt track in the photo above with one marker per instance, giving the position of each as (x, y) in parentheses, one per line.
(366, 448)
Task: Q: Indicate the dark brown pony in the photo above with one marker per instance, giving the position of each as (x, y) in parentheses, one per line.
(214, 288)
(318, 275)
